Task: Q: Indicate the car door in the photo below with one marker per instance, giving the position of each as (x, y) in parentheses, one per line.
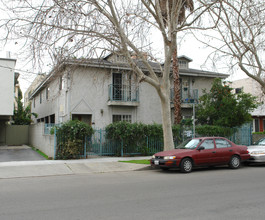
(224, 150)
(205, 156)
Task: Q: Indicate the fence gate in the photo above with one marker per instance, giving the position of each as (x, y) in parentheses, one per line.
(99, 145)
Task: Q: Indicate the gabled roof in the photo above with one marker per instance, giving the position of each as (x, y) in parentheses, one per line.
(183, 57)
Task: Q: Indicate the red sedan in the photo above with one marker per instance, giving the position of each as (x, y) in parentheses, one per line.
(203, 151)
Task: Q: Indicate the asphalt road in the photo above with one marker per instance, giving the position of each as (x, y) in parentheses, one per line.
(218, 193)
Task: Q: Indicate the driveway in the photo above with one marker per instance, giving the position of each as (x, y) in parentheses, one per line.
(18, 153)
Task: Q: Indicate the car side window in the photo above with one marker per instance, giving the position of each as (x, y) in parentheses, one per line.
(208, 144)
(221, 143)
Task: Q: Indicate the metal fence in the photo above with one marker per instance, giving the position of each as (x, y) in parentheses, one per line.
(102, 146)
(243, 135)
(99, 145)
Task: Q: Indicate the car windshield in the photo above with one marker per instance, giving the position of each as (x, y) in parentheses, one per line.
(261, 142)
(189, 144)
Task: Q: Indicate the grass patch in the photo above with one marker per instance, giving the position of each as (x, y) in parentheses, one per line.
(136, 161)
(40, 153)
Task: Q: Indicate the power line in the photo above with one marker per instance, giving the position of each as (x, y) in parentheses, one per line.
(19, 70)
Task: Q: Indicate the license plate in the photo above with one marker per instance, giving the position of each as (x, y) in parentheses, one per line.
(156, 162)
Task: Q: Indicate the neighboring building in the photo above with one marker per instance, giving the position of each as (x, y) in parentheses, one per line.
(7, 76)
(38, 79)
(102, 91)
(251, 86)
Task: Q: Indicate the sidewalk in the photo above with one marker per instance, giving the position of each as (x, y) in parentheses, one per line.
(20, 169)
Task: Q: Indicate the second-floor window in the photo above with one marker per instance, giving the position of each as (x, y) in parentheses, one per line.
(60, 83)
(47, 93)
(40, 97)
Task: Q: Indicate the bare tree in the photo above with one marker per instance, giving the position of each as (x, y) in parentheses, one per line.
(89, 28)
(182, 6)
(239, 35)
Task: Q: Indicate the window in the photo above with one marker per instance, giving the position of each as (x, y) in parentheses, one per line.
(208, 144)
(185, 83)
(34, 102)
(60, 83)
(47, 93)
(120, 59)
(46, 119)
(256, 124)
(116, 118)
(52, 118)
(29, 94)
(40, 97)
(238, 90)
(221, 143)
(183, 64)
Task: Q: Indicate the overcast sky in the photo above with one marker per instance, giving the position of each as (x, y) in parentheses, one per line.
(188, 47)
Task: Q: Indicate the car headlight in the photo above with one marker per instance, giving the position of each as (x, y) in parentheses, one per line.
(257, 152)
(169, 157)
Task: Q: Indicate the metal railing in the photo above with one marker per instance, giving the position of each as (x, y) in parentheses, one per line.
(124, 93)
(191, 96)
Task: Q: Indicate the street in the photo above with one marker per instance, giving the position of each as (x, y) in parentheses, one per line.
(218, 193)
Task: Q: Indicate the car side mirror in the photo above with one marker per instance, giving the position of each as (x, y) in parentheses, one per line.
(201, 148)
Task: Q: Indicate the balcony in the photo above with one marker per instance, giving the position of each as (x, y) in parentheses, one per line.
(123, 95)
(187, 97)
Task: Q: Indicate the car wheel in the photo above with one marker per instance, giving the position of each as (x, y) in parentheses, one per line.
(234, 162)
(186, 165)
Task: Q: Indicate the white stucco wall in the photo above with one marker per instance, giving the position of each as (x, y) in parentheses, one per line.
(89, 94)
(51, 105)
(85, 92)
(249, 85)
(7, 86)
(38, 139)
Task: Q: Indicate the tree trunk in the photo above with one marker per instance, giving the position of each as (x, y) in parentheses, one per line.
(177, 95)
(166, 122)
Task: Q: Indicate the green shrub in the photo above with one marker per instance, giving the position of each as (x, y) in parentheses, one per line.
(70, 139)
(211, 130)
(259, 132)
(134, 136)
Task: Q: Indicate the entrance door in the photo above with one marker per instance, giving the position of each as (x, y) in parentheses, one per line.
(82, 117)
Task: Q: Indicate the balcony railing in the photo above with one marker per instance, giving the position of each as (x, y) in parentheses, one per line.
(123, 93)
(189, 96)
